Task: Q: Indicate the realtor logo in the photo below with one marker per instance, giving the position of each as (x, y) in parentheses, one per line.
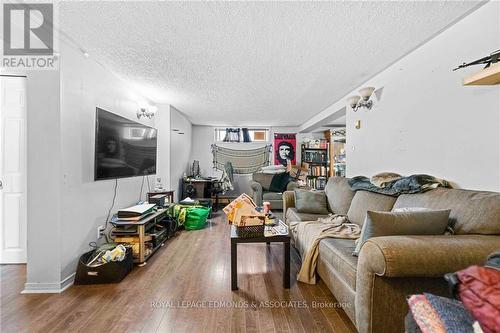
(29, 38)
(28, 29)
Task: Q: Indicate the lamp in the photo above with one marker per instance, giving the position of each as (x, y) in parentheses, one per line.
(146, 111)
(353, 101)
(363, 101)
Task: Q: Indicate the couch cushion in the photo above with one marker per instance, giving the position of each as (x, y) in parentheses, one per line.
(272, 196)
(364, 201)
(312, 202)
(293, 215)
(418, 222)
(472, 212)
(339, 195)
(338, 253)
(263, 179)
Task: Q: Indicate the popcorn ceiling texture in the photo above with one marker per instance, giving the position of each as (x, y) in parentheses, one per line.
(252, 63)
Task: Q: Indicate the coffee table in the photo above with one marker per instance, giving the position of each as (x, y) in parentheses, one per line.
(235, 239)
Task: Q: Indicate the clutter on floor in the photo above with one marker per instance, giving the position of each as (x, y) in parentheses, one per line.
(109, 263)
(191, 214)
(475, 307)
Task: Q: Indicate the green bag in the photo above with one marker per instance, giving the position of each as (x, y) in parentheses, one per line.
(196, 218)
(178, 212)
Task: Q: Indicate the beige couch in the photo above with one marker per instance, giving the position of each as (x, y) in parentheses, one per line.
(374, 285)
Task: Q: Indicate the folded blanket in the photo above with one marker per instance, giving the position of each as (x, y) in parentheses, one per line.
(436, 314)
(403, 185)
(308, 234)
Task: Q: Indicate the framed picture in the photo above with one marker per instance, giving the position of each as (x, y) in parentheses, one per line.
(285, 148)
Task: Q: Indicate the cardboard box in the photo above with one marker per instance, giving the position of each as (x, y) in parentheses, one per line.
(244, 204)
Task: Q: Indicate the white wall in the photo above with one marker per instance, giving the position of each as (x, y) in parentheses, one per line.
(180, 149)
(43, 177)
(65, 204)
(203, 138)
(162, 123)
(426, 121)
(86, 85)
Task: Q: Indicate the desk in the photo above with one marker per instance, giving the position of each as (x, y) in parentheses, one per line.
(197, 188)
(142, 226)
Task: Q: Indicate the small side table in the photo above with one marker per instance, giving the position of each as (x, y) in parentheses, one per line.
(285, 239)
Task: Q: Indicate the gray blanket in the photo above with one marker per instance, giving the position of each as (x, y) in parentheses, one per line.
(403, 185)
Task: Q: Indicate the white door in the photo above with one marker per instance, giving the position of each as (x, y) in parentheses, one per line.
(13, 170)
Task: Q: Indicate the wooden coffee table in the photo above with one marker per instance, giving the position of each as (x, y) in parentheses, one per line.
(235, 239)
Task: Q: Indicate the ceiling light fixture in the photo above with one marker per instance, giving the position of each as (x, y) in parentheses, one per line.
(85, 53)
(146, 111)
(363, 101)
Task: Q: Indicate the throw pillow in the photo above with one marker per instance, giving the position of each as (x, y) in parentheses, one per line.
(311, 202)
(416, 222)
(279, 182)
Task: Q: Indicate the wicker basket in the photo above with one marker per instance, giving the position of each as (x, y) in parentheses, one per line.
(250, 231)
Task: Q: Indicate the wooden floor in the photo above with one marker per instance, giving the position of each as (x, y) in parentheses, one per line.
(185, 287)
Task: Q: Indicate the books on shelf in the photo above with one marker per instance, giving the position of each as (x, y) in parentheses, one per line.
(317, 170)
(316, 156)
(316, 183)
(316, 144)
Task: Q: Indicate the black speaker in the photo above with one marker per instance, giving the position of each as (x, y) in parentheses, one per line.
(189, 190)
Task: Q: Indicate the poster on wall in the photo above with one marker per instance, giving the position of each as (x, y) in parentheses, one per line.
(285, 148)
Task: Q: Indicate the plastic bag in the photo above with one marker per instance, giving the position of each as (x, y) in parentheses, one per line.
(196, 218)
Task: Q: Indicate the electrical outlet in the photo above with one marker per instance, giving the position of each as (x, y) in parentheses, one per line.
(100, 231)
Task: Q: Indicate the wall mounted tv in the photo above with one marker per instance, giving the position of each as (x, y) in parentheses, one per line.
(123, 148)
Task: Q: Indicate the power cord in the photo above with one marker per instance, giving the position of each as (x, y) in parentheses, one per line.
(112, 204)
(142, 185)
(94, 244)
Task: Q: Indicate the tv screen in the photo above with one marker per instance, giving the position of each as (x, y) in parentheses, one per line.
(123, 148)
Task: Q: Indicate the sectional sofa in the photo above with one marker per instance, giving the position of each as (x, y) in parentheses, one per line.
(374, 286)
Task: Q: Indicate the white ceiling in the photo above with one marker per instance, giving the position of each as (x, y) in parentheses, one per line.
(252, 63)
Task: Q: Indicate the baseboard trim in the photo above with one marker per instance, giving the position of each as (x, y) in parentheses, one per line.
(49, 288)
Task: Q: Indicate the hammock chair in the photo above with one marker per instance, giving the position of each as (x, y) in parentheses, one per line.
(243, 161)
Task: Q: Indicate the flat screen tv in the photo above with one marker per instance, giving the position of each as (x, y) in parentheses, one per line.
(123, 148)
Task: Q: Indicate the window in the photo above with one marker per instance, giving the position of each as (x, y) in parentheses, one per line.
(255, 134)
(259, 135)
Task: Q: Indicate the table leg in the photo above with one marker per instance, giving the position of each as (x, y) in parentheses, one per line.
(234, 266)
(286, 269)
(142, 247)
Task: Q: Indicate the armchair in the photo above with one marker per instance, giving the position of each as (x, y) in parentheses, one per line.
(259, 186)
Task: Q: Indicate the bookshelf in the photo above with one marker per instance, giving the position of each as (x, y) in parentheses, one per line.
(318, 160)
(338, 154)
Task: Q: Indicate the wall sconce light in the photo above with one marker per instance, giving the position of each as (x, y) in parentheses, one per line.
(146, 111)
(363, 101)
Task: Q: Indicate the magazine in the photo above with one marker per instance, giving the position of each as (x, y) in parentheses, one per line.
(280, 229)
